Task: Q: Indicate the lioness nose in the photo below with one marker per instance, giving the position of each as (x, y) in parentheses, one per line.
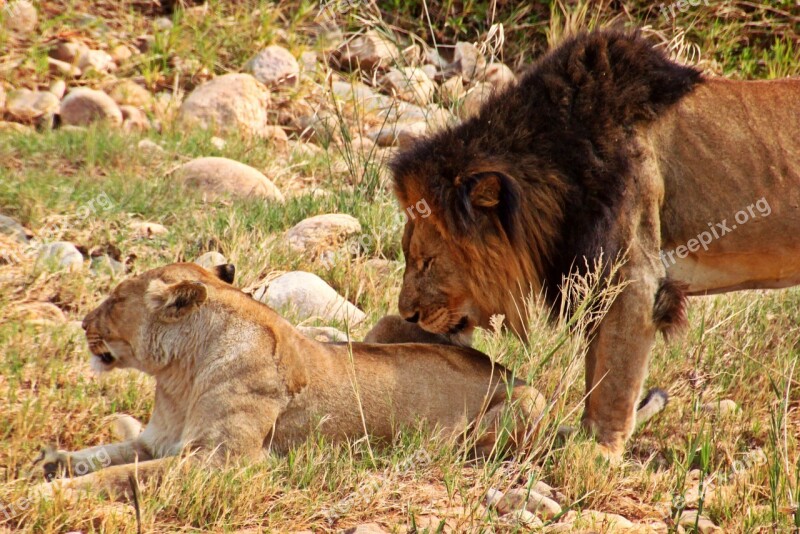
(414, 318)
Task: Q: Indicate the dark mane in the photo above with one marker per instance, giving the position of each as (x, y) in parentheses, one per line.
(562, 139)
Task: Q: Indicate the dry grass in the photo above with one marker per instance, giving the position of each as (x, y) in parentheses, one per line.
(742, 347)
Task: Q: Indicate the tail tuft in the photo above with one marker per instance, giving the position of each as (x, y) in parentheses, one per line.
(669, 310)
(654, 402)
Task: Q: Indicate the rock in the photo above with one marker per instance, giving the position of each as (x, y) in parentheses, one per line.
(84, 106)
(61, 255)
(97, 60)
(401, 133)
(68, 51)
(438, 118)
(58, 88)
(452, 90)
(9, 226)
(532, 501)
(544, 489)
(409, 84)
(40, 312)
(120, 54)
(275, 135)
(309, 296)
(319, 126)
(211, 259)
(215, 176)
(475, 98)
(134, 119)
(145, 229)
(498, 74)
(523, 517)
(604, 521)
(20, 16)
(218, 142)
(468, 61)
(324, 334)
(689, 518)
(368, 52)
(275, 67)
(722, 408)
(130, 93)
(362, 96)
(27, 105)
(366, 528)
(146, 145)
(430, 71)
(108, 265)
(322, 232)
(232, 102)
(62, 68)
(309, 62)
(162, 23)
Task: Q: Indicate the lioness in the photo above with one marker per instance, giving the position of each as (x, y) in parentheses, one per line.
(234, 379)
(604, 149)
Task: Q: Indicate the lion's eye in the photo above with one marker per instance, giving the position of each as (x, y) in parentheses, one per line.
(426, 264)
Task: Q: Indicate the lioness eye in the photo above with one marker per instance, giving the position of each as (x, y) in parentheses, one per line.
(426, 263)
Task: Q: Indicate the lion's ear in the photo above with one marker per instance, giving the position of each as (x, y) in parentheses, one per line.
(490, 191)
(226, 272)
(173, 301)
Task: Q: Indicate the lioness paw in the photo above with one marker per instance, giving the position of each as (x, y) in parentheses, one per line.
(53, 462)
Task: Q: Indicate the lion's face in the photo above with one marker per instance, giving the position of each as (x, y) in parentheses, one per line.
(434, 293)
(119, 329)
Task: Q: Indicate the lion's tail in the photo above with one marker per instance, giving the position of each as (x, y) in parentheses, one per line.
(655, 401)
(669, 310)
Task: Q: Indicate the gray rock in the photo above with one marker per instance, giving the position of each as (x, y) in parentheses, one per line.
(162, 23)
(475, 98)
(27, 105)
(68, 51)
(107, 265)
(498, 74)
(221, 176)
(84, 106)
(368, 52)
(275, 67)
(130, 93)
(209, 260)
(398, 134)
(231, 103)
(146, 145)
(146, 229)
(62, 68)
(690, 518)
(9, 226)
(409, 84)
(309, 296)
(20, 16)
(58, 88)
(452, 90)
(60, 255)
(120, 54)
(97, 60)
(468, 61)
(134, 119)
(722, 407)
(322, 232)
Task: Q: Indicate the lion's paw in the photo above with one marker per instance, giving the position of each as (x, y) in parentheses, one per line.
(53, 463)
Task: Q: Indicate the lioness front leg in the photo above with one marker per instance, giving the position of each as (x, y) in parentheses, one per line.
(115, 480)
(616, 362)
(57, 463)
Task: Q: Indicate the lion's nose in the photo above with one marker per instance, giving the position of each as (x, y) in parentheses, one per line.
(414, 318)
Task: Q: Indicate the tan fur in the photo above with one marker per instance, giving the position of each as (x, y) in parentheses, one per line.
(234, 379)
(720, 149)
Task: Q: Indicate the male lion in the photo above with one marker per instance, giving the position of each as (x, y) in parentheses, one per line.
(234, 379)
(604, 149)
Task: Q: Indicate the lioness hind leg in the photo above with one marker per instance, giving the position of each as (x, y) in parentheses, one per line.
(509, 424)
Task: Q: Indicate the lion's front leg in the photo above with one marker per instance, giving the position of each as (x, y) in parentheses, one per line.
(616, 363)
(115, 480)
(57, 463)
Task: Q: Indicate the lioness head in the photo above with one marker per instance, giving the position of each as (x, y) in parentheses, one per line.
(120, 329)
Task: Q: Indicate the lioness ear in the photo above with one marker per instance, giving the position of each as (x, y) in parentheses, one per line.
(173, 301)
(491, 191)
(225, 272)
